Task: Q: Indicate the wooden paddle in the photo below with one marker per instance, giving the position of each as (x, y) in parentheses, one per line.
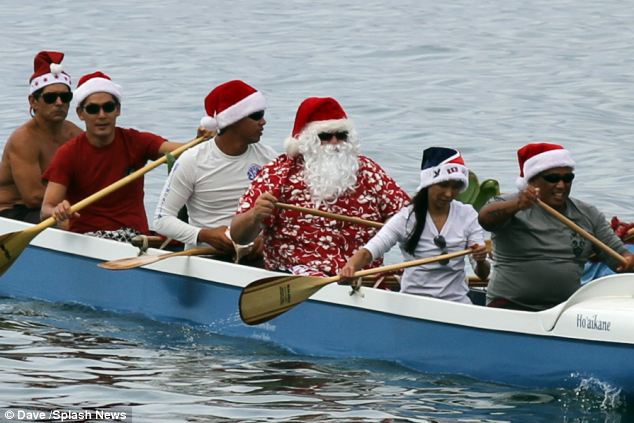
(343, 218)
(267, 298)
(13, 243)
(572, 225)
(132, 262)
(334, 216)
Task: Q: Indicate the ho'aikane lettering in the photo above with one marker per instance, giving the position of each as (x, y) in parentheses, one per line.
(285, 294)
(593, 323)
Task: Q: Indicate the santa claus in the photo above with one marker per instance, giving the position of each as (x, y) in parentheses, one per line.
(323, 169)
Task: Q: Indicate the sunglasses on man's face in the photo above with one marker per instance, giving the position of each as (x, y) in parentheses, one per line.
(93, 109)
(257, 115)
(50, 98)
(441, 243)
(327, 136)
(554, 178)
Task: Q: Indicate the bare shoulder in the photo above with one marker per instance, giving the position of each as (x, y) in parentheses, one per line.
(23, 138)
(71, 130)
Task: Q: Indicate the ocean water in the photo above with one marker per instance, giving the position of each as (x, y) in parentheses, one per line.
(485, 77)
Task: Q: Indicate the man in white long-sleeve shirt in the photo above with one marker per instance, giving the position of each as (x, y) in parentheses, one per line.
(211, 177)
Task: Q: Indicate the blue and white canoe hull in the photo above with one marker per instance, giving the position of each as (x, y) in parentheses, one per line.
(592, 335)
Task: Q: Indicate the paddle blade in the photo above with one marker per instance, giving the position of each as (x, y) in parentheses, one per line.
(129, 262)
(12, 245)
(132, 262)
(267, 298)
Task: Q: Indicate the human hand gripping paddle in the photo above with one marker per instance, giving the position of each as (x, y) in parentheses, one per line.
(572, 225)
(267, 298)
(13, 243)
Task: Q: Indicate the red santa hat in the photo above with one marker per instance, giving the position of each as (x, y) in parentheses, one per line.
(316, 115)
(535, 158)
(441, 164)
(229, 102)
(47, 70)
(96, 82)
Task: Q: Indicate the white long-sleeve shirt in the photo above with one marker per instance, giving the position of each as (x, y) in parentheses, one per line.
(210, 183)
(460, 231)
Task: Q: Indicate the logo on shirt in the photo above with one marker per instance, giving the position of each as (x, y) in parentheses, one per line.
(577, 243)
(253, 171)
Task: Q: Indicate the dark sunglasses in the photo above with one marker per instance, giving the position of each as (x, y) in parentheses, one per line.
(50, 98)
(257, 115)
(327, 136)
(554, 178)
(441, 243)
(93, 109)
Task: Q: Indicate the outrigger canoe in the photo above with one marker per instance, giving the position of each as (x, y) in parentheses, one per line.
(590, 335)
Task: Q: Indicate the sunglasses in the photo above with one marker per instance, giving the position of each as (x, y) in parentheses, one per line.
(441, 243)
(50, 98)
(93, 109)
(327, 136)
(554, 178)
(257, 115)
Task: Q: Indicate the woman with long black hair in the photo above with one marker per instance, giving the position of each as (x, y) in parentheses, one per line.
(434, 223)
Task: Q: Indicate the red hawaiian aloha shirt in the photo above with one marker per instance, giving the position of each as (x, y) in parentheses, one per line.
(306, 244)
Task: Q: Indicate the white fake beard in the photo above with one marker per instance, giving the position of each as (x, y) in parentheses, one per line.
(329, 170)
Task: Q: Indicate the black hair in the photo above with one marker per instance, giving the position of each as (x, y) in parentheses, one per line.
(420, 205)
(37, 93)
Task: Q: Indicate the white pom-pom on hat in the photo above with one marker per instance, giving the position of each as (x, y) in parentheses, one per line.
(209, 123)
(56, 68)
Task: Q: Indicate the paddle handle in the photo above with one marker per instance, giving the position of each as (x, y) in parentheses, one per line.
(399, 266)
(120, 183)
(572, 225)
(334, 216)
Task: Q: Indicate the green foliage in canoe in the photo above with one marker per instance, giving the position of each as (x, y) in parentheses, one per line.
(478, 193)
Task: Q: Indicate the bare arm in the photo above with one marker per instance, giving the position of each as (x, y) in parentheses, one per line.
(56, 205)
(216, 238)
(358, 261)
(482, 266)
(494, 215)
(629, 267)
(245, 227)
(169, 146)
(25, 169)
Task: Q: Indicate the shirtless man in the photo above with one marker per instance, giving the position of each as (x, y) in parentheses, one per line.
(30, 148)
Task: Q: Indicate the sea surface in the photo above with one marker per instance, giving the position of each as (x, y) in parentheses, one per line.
(485, 77)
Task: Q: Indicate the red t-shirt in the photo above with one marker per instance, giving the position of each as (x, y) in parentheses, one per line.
(85, 169)
(306, 244)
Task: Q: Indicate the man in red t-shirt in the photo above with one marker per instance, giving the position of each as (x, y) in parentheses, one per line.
(322, 169)
(96, 159)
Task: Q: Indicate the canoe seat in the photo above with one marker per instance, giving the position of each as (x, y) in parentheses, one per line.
(393, 282)
(388, 282)
(148, 241)
(143, 242)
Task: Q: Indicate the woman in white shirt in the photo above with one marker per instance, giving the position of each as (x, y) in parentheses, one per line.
(435, 223)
